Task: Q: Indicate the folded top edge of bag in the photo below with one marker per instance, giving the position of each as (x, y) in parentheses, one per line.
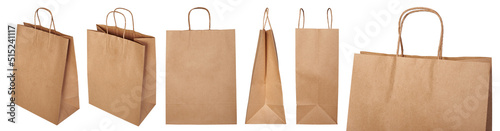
(471, 59)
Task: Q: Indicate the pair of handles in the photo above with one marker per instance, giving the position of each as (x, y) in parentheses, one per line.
(328, 21)
(124, 18)
(266, 19)
(400, 28)
(133, 26)
(37, 17)
(400, 24)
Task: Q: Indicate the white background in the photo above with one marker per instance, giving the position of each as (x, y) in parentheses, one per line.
(471, 29)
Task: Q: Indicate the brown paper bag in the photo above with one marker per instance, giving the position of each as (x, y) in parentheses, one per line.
(121, 71)
(47, 81)
(200, 76)
(317, 54)
(403, 92)
(265, 104)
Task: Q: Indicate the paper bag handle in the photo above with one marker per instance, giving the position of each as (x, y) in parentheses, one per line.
(266, 19)
(400, 29)
(125, 19)
(38, 16)
(209, 19)
(328, 21)
(131, 15)
(303, 14)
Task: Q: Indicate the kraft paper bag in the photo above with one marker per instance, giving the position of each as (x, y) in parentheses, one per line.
(47, 80)
(316, 58)
(265, 104)
(121, 71)
(405, 92)
(200, 76)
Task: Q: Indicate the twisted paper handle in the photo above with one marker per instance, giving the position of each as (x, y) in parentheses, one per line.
(400, 29)
(209, 18)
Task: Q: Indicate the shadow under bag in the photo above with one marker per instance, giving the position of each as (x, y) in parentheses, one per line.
(47, 80)
(121, 71)
(405, 92)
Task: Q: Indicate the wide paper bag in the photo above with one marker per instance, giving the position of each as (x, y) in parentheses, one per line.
(404, 92)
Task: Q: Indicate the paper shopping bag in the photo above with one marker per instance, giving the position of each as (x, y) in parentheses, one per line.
(265, 104)
(405, 92)
(200, 76)
(121, 71)
(316, 58)
(47, 80)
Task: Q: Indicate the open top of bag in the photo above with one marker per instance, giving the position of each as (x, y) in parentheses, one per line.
(41, 28)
